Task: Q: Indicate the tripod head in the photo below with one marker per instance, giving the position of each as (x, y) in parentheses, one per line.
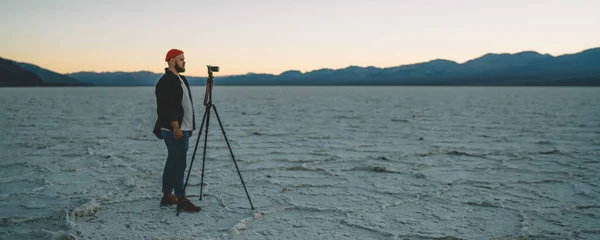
(209, 84)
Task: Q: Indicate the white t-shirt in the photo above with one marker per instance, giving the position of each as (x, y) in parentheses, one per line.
(188, 109)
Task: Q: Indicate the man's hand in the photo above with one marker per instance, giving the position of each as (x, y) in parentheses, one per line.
(177, 134)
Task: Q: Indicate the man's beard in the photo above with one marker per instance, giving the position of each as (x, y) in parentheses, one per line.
(179, 68)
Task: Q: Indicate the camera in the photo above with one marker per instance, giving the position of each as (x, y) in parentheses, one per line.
(213, 68)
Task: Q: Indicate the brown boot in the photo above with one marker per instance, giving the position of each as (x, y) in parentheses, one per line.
(168, 199)
(188, 206)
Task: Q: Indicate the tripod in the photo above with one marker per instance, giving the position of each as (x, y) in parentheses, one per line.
(206, 118)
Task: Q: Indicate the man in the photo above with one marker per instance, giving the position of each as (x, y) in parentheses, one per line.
(175, 124)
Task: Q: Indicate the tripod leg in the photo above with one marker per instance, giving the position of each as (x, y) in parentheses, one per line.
(204, 153)
(236, 166)
(193, 157)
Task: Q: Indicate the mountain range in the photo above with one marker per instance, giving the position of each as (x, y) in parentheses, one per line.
(527, 68)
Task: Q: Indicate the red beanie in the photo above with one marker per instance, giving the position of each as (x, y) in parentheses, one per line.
(172, 53)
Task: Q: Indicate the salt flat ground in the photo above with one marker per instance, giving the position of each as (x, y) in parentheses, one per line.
(318, 163)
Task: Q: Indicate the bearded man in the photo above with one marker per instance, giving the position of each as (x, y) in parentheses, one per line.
(175, 124)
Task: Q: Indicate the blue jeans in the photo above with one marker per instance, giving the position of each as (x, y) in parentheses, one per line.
(174, 171)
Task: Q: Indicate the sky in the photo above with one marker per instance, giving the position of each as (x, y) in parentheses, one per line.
(262, 36)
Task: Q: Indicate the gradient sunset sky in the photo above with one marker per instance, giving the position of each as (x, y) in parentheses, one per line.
(273, 36)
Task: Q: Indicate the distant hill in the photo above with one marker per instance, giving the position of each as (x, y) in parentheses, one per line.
(50, 77)
(527, 68)
(141, 78)
(11, 74)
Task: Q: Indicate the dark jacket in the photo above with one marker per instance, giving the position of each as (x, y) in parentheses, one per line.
(169, 93)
